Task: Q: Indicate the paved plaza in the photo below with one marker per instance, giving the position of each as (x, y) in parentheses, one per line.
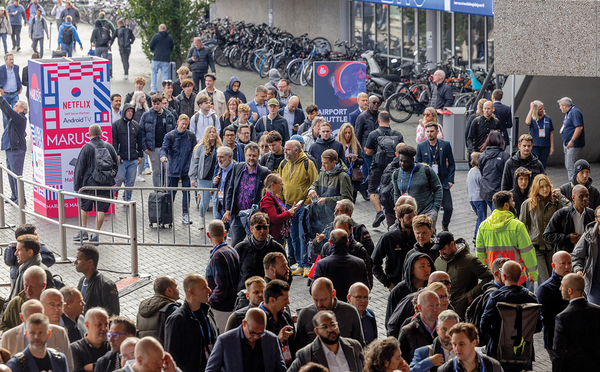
(180, 260)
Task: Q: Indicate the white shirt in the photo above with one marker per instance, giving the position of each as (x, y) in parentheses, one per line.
(115, 115)
(448, 354)
(335, 362)
(578, 222)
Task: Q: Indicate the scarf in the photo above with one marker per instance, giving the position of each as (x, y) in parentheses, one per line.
(18, 287)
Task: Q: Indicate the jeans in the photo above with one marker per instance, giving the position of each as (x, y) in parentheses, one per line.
(126, 172)
(198, 77)
(164, 71)
(480, 208)
(448, 208)
(204, 196)
(544, 264)
(542, 152)
(185, 182)
(571, 156)
(12, 100)
(238, 231)
(365, 169)
(67, 48)
(58, 23)
(125, 52)
(490, 204)
(102, 52)
(156, 168)
(4, 42)
(34, 45)
(16, 36)
(297, 243)
(14, 162)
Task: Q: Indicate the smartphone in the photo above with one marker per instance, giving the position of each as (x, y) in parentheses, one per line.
(299, 203)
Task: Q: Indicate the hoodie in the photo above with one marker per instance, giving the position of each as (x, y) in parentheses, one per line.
(229, 93)
(297, 178)
(266, 124)
(333, 186)
(518, 196)
(65, 25)
(405, 287)
(127, 136)
(274, 77)
(491, 166)
(532, 163)
(149, 319)
(162, 46)
(319, 147)
(502, 234)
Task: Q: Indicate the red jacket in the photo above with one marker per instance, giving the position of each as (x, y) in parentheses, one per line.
(270, 206)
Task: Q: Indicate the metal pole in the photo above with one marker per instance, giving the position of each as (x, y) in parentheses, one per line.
(21, 199)
(133, 241)
(270, 13)
(2, 218)
(62, 231)
(484, 85)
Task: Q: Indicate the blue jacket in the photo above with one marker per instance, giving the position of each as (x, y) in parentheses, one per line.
(3, 73)
(148, 126)
(253, 109)
(227, 353)
(353, 115)
(16, 19)
(421, 361)
(446, 165)
(178, 147)
(491, 320)
(75, 34)
(15, 129)
(58, 361)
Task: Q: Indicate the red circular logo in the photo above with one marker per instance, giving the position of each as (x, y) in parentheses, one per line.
(322, 71)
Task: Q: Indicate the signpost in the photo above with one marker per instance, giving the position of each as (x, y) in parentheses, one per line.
(65, 98)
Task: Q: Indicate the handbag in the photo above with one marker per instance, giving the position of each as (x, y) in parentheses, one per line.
(356, 175)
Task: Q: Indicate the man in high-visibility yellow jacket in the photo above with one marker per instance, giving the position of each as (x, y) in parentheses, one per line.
(503, 235)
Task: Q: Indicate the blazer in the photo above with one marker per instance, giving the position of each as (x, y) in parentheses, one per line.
(4, 71)
(298, 116)
(226, 355)
(13, 340)
(238, 170)
(57, 361)
(446, 165)
(576, 337)
(314, 352)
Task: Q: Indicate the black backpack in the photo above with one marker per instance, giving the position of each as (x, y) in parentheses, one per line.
(103, 172)
(103, 36)
(475, 311)
(67, 36)
(386, 148)
(124, 37)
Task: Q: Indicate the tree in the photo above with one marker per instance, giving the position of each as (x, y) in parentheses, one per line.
(179, 16)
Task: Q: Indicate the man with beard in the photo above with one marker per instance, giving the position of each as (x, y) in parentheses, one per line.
(36, 353)
(253, 295)
(430, 357)
(503, 235)
(394, 246)
(276, 267)
(329, 346)
(222, 180)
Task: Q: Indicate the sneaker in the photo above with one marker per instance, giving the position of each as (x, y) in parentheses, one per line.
(201, 227)
(125, 77)
(378, 219)
(306, 272)
(294, 266)
(14, 47)
(186, 219)
(140, 178)
(444, 228)
(298, 271)
(116, 195)
(147, 171)
(82, 235)
(18, 48)
(94, 238)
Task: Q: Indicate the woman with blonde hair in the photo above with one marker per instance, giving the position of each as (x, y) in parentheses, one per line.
(429, 116)
(354, 156)
(536, 212)
(230, 115)
(202, 168)
(541, 130)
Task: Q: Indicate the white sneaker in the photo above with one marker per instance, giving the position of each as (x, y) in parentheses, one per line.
(201, 222)
(125, 77)
(140, 178)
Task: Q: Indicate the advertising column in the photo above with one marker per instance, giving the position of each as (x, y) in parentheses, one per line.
(65, 98)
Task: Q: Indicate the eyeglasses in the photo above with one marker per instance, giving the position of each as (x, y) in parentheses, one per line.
(361, 298)
(256, 334)
(261, 227)
(445, 282)
(331, 326)
(55, 306)
(115, 335)
(245, 133)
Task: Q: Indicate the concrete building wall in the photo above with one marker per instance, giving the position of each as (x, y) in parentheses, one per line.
(315, 17)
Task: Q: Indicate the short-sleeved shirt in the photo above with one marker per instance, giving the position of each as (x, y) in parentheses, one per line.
(372, 139)
(573, 119)
(246, 189)
(544, 127)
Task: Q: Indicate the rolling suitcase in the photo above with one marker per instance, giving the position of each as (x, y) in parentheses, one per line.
(58, 53)
(160, 206)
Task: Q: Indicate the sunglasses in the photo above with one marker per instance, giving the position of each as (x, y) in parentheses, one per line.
(376, 103)
(445, 282)
(261, 227)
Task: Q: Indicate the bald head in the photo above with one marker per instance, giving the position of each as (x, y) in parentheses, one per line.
(50, 294)
(442, 277)
(31, 307)
(148, 346)
(572, 286)
(562, 263)
(256, 316)
(426, 296)
(512, 273)
(321, 284)
(357, 287)
(294, 101)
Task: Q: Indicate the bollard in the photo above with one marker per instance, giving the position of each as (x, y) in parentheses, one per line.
(134, 246)
(62, 231)
(21, 199)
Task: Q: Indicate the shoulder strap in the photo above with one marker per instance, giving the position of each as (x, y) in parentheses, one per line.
(430, 350)
(214, 117)
(22, 361)
(283, 163)
(306, 159)
(171, 136)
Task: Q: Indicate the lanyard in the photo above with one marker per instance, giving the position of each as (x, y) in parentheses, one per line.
(217, 247)
(198, 53)
(207, 325)
(480, 359)
(542, 127)
(283, 208)
(409, 179)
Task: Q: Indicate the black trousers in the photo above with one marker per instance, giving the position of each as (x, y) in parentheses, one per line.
(447, 205)
(125, 52)
(16, 36)
(198, 77)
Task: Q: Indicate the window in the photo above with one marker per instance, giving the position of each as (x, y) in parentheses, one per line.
(358, 23)
(408, 35)
(395, 30)
(478, 41)
(461, 34)
(382, 28)
(490, 41)
(446, 36)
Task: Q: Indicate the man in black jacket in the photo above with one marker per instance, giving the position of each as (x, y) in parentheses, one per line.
(503, 113)
(127, 141)
(94, 343)
(416, 334)
(101, 37)
(96, 289)
(441, 95)
(582, 177)
(199, 59)
(481, 127)
(562, 231)
(125, 38)
(238, 200)
(162, 47)
(325, 142)
(191, 331)
(84, 176)
(522, 158)
(13, 138)
(367, 122)
(273, 158)
(72, 317)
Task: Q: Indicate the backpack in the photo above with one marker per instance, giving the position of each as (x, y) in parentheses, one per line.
(103, 35)
(519, 323)
(197, 116)
(386, 148)
(103, 172)
(475, 311)
(67, 36)
(386, 190)
(124, 37)
(308, 157)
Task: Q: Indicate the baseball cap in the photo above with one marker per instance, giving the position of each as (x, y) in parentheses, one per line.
(441, 240)
(213, 76)
(273, 101)
(297, 137)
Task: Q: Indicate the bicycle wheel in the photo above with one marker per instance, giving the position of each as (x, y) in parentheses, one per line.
(400, 107)
(235, 58)
(306, 76)
(220, 57)
(247, 60)
(258, 57)
(266, 65)
(463, 99)
(280, 65)
(389, 89)
(294, 70)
